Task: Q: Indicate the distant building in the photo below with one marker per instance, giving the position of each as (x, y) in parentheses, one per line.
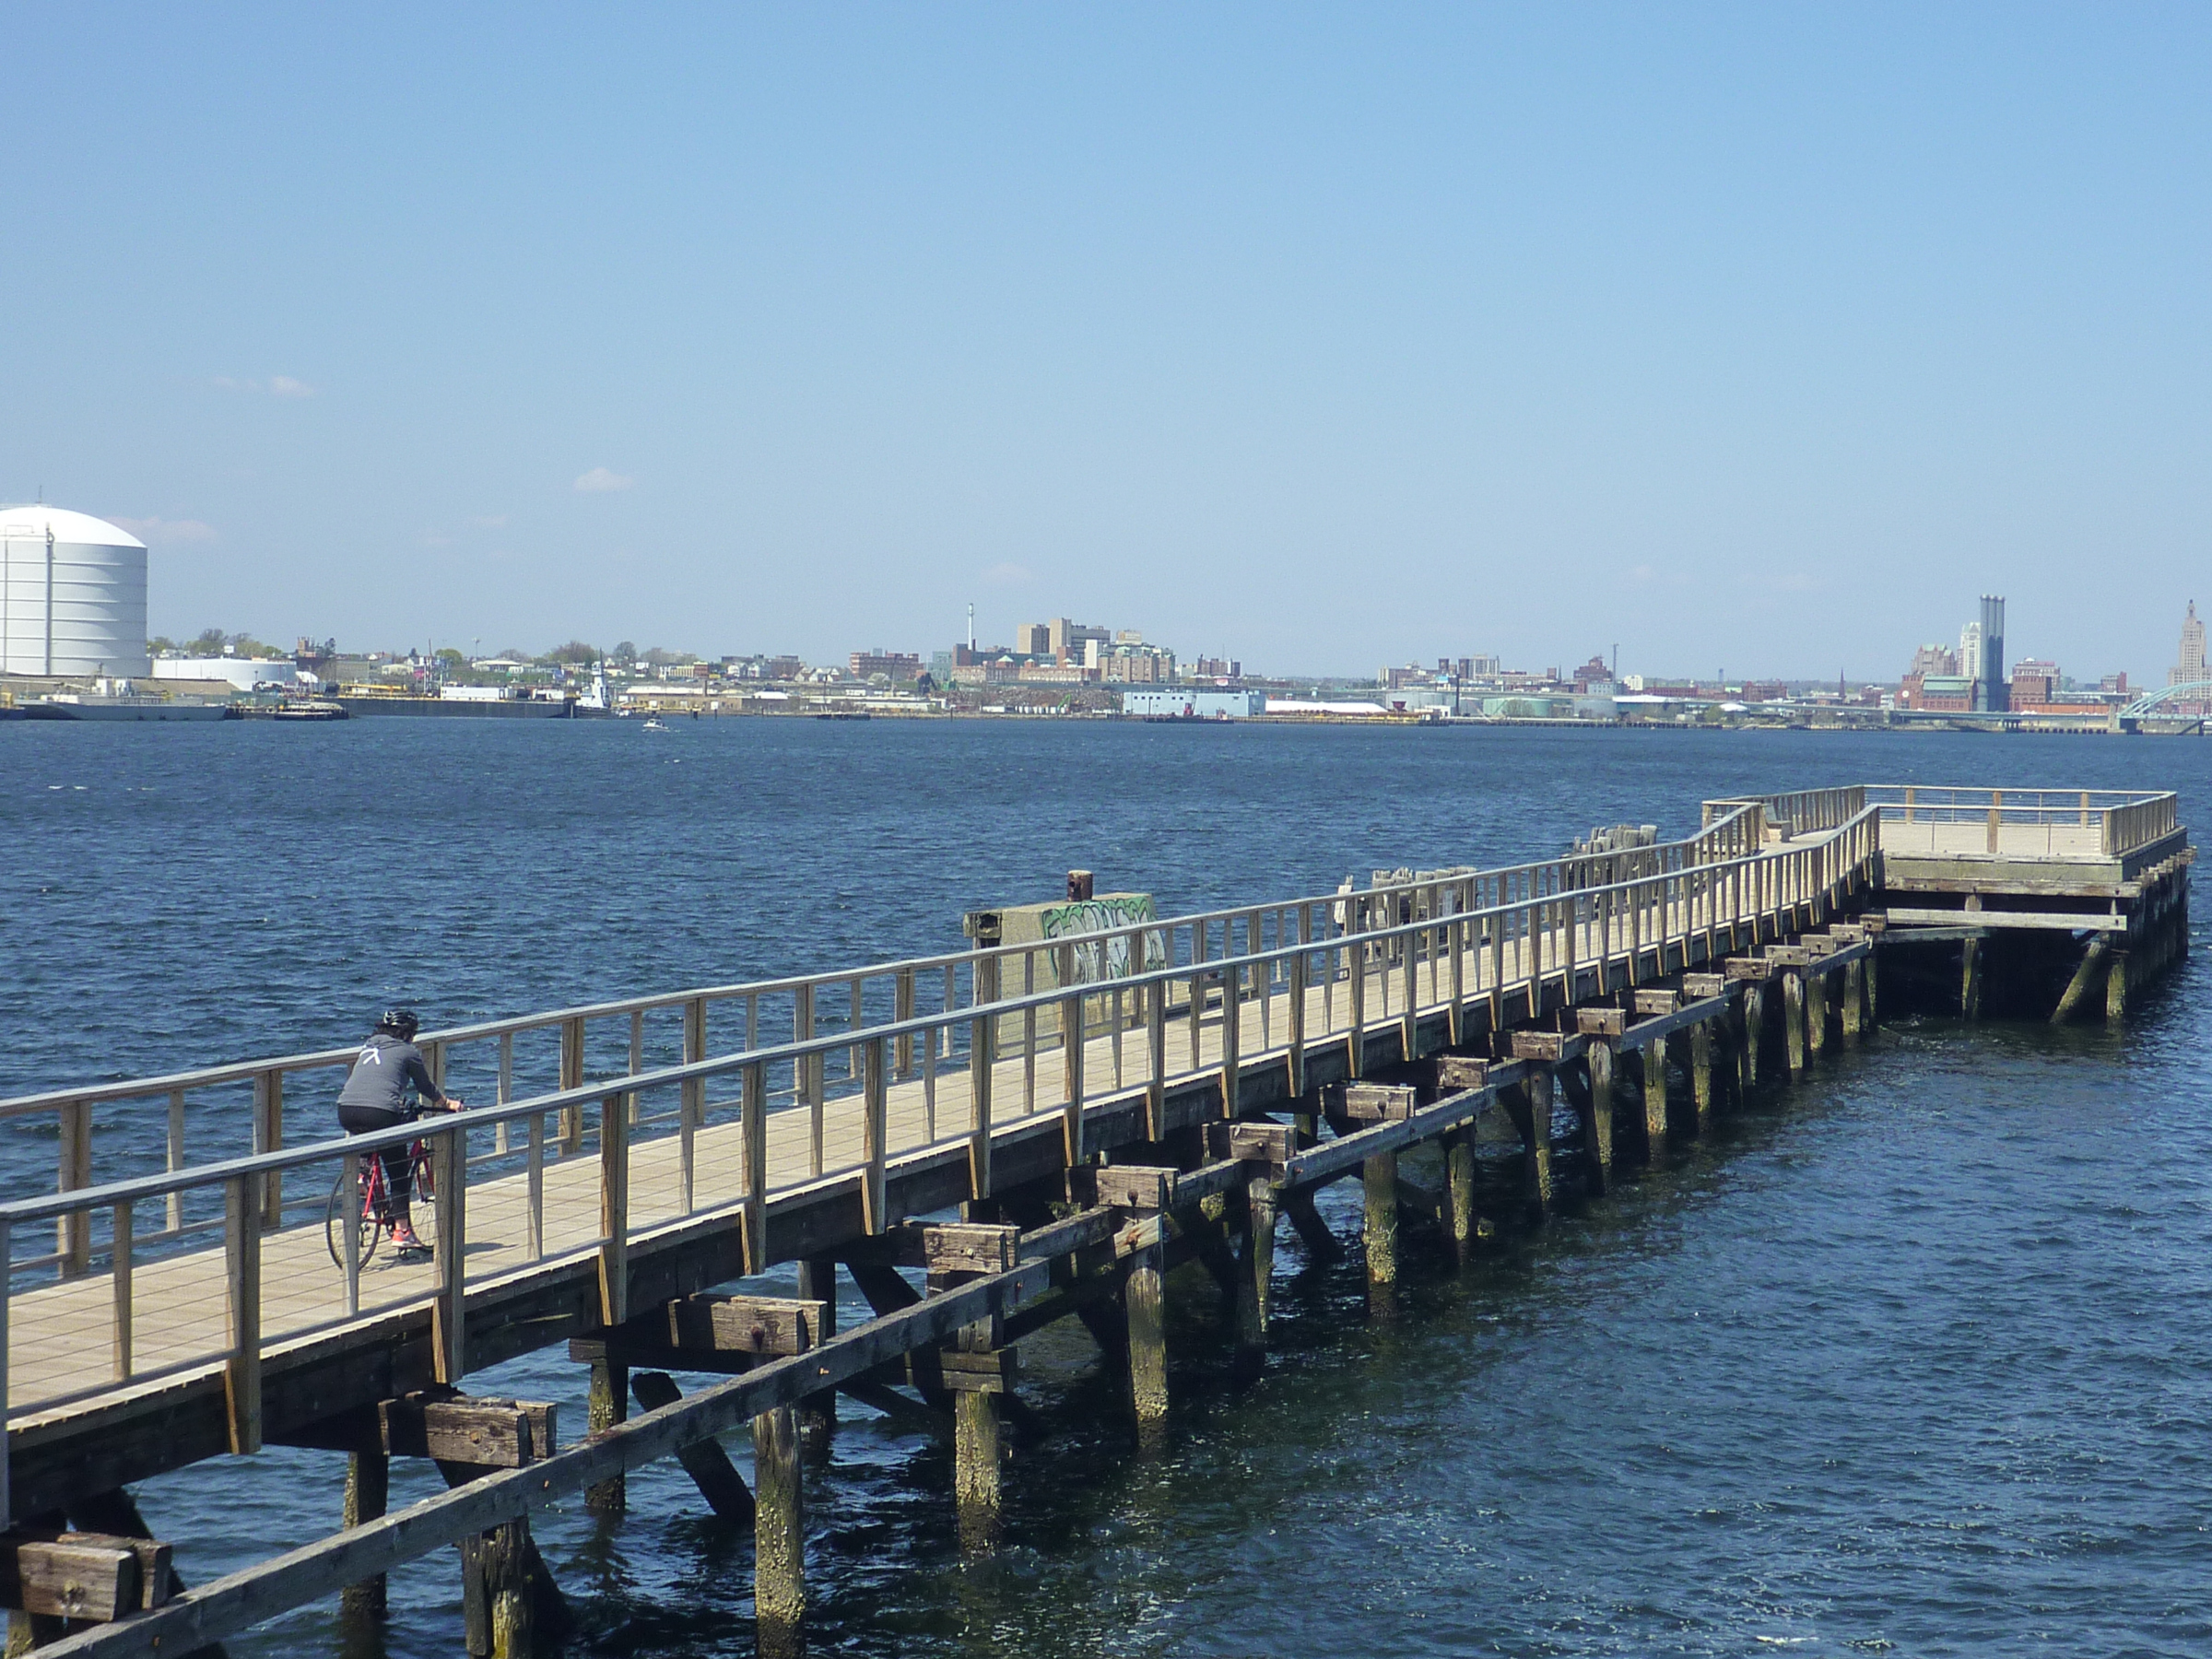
(1192, 703)
(894, 665)
(1217, 668)
(2190, 669)
(2034, 684)
(1948, 693)
(1987, 665)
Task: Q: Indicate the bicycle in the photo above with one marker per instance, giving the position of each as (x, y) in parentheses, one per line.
(372, 1220)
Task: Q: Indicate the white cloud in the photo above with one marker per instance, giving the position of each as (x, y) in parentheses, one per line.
(152, 530)
(1006, 574)
(600, 480)
(276, 385)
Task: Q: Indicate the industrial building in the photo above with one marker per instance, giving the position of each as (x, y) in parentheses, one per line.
(72, 596)
(1179, 703)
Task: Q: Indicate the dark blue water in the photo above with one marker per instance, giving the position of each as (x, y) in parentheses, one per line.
(1911, 1359)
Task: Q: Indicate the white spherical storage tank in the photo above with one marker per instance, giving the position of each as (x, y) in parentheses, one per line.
(72, 594)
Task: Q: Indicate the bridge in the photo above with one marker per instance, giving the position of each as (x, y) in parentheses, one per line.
(977, 1143)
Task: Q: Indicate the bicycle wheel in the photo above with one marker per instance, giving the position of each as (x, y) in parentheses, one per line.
(347, 1209)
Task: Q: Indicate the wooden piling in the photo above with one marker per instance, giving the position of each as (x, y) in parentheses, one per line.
(1145, 1306)
(606, 1403)
(1816, 1013)
(1459, 1192)
(1255, 1270)
(2087, 974)
(1700, 1074)
(1652, 1058)
(1970, 980)
(1854, 999)
(1320, 1243)
(708, 1465)
(817, 1412)
(1793, 1021)
(368, 1489)
(1380, 1235)
(1596, 1113)
(2115, 988)
(975, 1467)
(1535, 1122)
(778, 1534)
(1755, 1032)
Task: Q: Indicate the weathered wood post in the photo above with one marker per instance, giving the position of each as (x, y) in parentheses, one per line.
(1816, 1013)
(368, 1489)
(1535, 1122)
(976, 1455)
(1145, 1306)
(1651, 1062)
(817, 1412)
(1253, 1273)
(1854, 1000)
(1754, 1018)
(1599, 1136)
(1970, 980)
(1459, 1192)
(2115, 988)
(1700, 1074)
(1793, 1020)
(1380, 1234)
(778, 1534)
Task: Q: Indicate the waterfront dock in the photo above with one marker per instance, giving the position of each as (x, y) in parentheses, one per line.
(982, 1143)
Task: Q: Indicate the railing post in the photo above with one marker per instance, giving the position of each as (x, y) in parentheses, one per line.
(1297, 1062)
(1409, 975)
(982, 1058)
(268, 1136)
(7, 1277)
(449, 1343)
(902, 1010)
(174, 1160)
(753, 1121)
(241, 1369)
(873, 1134)
(1071, 1067)
(1996, 817)
(1355, 954)
(807, 1074)
(614, 1209)
(73, 1233)
(120, 1282)
(1232, 1038)
(572, 1077)
(692, 1113)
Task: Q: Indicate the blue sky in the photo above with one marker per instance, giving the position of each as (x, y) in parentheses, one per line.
(1750, 338)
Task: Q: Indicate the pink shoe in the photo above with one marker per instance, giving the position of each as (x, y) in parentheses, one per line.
(403, 1240)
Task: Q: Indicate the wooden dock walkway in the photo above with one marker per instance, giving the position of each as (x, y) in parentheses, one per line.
(1090, 1127)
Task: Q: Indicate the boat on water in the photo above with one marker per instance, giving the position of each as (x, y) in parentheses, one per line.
(654, 723)
(93, 705)
(480, 702)
(311, 708)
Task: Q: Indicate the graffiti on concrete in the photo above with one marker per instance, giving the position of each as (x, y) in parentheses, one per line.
(1097, 928)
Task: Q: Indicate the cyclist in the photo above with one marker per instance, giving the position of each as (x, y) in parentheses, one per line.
(376, 1097)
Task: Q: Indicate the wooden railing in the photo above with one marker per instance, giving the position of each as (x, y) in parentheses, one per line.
(135, 1126)
(590, 1171)
(2116, 821)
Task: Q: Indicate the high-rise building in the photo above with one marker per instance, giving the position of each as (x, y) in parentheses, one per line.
(2190, 670)
(1993, 690)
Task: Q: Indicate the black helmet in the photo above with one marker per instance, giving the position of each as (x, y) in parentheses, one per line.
(401, 1023)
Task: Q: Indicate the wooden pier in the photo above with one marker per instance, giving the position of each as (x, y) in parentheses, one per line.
(985, 1142)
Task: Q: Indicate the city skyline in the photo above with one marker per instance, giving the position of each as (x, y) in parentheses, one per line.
(1310, 337)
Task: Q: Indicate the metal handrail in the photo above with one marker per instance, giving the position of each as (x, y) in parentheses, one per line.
(131, 1189)
(243, 1071)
